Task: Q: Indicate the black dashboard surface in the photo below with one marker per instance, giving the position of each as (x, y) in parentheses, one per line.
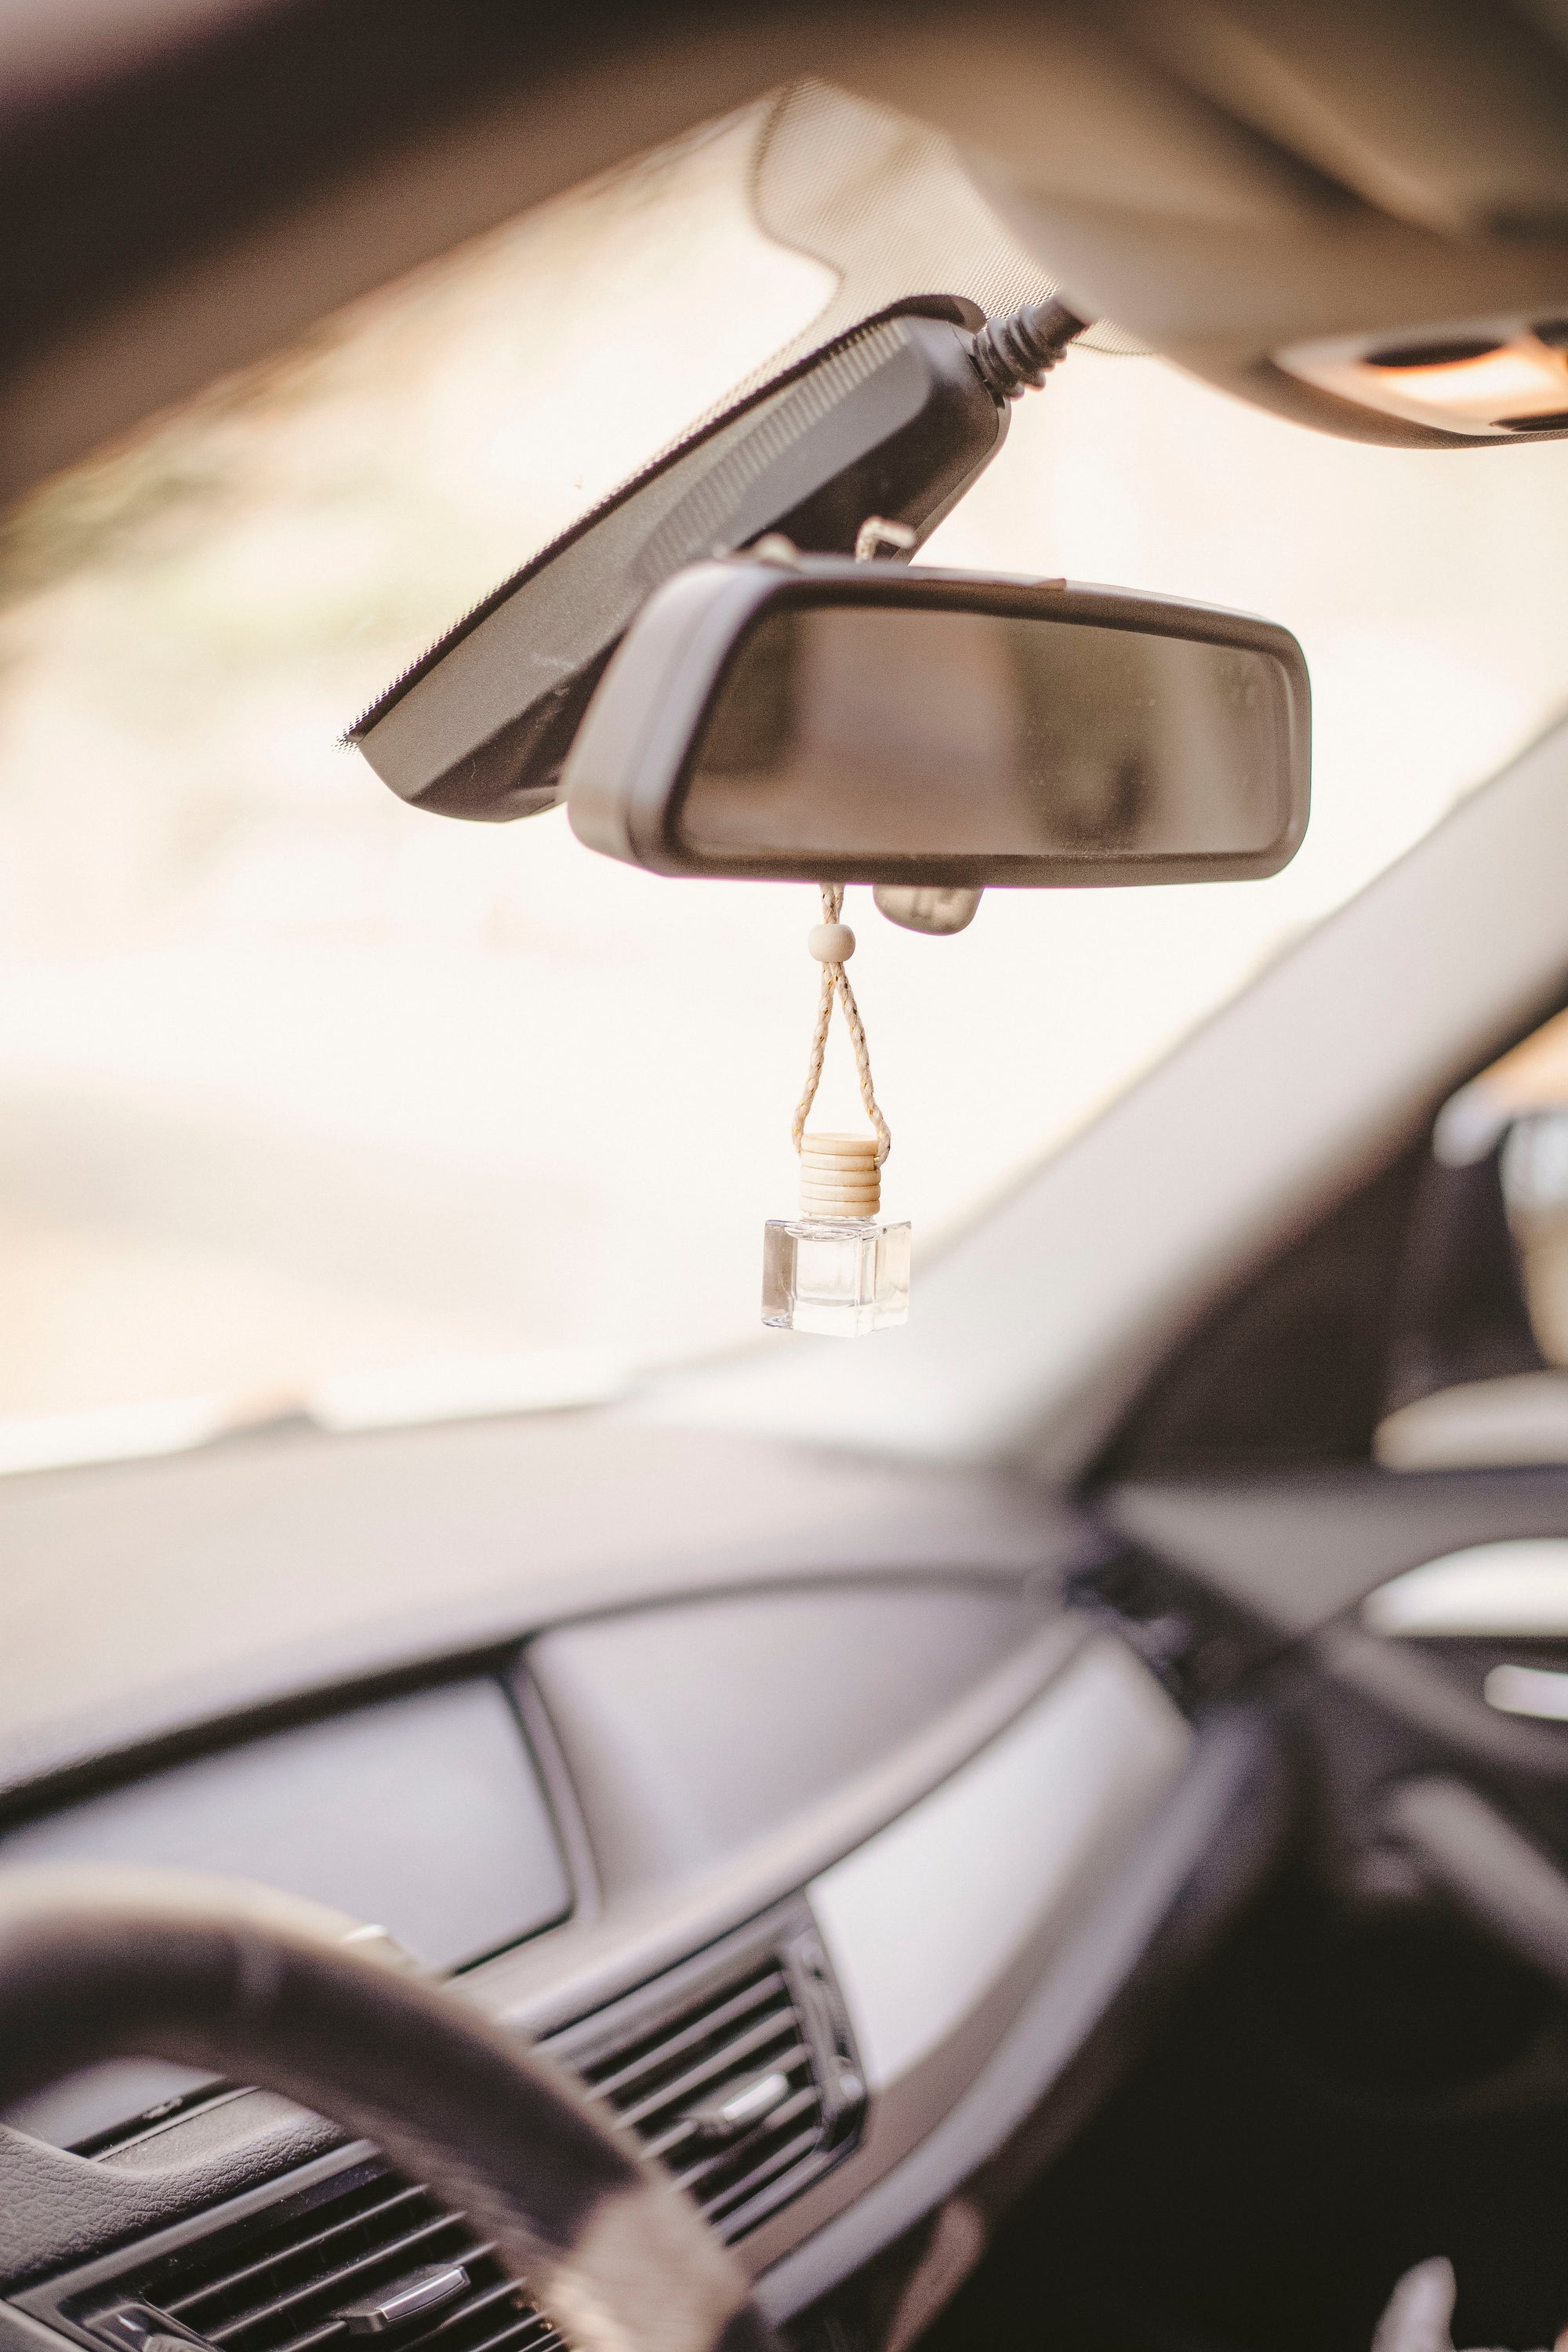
(1297, 1551)
(143, 1601)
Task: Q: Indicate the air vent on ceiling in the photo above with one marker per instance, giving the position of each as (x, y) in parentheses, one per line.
(746, 2087)
(352, 2256)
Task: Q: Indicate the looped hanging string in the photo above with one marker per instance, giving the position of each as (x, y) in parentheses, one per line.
(836, 981)
(876, 535)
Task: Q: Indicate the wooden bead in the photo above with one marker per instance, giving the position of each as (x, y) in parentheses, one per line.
(831, 942)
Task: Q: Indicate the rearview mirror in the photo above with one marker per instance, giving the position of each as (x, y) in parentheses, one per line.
(825, 720)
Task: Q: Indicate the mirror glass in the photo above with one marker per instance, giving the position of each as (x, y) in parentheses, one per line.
(888, 730)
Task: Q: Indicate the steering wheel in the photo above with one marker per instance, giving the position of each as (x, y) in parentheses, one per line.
(260, 1989)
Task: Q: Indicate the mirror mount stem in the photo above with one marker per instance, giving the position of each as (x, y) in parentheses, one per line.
(927, 908)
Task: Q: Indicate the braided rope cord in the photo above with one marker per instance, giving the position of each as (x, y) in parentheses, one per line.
(875, 536)
(835, 982)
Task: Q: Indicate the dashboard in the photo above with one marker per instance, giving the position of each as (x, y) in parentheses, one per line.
(782, 1794)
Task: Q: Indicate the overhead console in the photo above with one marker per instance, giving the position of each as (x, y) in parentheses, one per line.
(1351, 216)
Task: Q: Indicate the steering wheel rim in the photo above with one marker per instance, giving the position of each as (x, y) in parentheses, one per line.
(260, 1987)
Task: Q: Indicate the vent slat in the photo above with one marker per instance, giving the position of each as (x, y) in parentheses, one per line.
(443, 2322)
(414, 2242)
(312, 2335)
(181, 2306)
(455, 2317)
(801, 2146)
(659, 2143)
(711, 2069)
(529, 2328)
(692, 2177)
(767, 1987)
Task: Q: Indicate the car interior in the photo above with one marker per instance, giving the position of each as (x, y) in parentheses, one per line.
(538, 1814)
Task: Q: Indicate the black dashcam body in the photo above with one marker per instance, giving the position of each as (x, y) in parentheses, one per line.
(894, 419)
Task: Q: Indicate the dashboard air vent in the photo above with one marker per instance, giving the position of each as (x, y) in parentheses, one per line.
(737, 2070)
(351, 2257)
(740, 2075)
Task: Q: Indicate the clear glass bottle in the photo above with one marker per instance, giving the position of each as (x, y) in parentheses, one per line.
(837, 1268)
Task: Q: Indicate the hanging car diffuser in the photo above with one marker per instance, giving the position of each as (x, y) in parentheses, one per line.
(837, 1268)
(774, 715)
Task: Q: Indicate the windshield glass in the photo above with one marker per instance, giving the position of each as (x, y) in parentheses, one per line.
(307, 1097)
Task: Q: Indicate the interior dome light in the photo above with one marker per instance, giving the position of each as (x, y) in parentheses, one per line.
(1495, 380)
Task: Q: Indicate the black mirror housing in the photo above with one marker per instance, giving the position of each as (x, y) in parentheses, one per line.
(828, 720)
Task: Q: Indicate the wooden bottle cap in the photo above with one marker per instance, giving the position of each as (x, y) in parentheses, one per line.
(840, 1177)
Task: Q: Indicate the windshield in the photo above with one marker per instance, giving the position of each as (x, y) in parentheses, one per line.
(307, 1099)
